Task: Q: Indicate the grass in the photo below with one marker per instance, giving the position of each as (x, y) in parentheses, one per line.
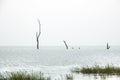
(100, 70)
(109, 70)
(23, 76)
(29, 76)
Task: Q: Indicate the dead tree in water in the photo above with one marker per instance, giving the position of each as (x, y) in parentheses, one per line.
(65, 44)
(108, 47)
(38, 34)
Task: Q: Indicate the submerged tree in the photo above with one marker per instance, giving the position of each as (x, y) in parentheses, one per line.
(65, 44)
(108, 47)
(38, 34)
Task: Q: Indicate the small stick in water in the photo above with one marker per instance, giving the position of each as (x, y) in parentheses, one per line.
(65, 44)
(108, 47)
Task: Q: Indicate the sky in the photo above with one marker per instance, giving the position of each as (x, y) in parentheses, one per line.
(79, 22)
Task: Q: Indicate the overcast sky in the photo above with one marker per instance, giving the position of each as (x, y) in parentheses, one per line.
(79, 22)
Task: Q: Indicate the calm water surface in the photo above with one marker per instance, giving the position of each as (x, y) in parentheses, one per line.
(56, 60)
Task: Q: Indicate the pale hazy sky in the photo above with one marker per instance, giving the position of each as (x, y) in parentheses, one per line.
(79, 22)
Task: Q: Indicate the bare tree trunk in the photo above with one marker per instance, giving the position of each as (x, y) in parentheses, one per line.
(37, 42)
(65, 44)
(38, 34)
(108, 47)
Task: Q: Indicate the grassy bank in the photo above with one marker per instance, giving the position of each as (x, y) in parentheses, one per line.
(23, 76)
(109, 70)
(30, 76)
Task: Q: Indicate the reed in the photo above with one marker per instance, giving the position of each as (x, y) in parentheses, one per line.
(108, 69)
(23, 76)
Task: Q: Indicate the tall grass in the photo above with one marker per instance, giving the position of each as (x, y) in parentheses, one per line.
(23, 76)
(29, 76)
(109, 70)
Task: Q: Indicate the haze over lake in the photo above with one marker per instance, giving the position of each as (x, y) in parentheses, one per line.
(89, 29)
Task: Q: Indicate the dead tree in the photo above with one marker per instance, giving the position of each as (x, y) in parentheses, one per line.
(108, 47)
(65, 44)
(38, 34)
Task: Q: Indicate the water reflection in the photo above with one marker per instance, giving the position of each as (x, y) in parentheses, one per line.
(101, 76)
(98, 77)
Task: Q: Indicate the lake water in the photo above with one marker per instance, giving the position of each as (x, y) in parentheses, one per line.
(57, 61)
